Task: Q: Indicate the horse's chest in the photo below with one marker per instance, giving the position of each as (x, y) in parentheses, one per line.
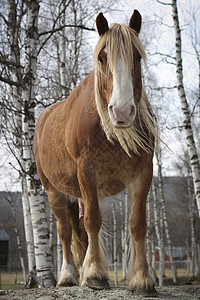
(113, 171)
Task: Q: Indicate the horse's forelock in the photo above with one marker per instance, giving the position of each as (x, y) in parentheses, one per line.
(121, 40)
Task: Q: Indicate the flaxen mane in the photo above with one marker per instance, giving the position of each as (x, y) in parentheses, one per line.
(122, 40)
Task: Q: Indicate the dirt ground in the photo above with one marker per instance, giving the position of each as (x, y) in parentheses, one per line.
(186, 292)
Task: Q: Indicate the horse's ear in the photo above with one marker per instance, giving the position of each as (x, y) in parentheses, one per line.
(102, 24)
(135, 21)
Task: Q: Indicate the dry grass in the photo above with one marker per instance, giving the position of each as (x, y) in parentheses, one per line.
(182, 274)
(7, 279)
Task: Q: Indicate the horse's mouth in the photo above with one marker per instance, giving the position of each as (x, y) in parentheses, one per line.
(122, 127)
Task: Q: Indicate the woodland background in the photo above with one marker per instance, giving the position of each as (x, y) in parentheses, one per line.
(45, 51)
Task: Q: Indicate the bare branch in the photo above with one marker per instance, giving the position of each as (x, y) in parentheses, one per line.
(8, 63)
(65, 26)
(163, 3)
(51, 32)
(3, 17)
(10, 82)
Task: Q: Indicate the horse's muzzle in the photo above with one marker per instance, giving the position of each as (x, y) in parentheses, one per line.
(122, 118)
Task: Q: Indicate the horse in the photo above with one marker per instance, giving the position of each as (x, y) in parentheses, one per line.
(94, 144)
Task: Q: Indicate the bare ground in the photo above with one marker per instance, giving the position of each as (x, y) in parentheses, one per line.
(186, 292)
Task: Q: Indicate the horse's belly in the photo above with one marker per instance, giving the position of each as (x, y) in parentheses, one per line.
(110, 187)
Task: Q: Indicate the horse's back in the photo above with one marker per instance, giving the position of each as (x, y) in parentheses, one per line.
(58, 137)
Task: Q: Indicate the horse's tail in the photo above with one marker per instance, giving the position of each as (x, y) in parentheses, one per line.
(79, 236)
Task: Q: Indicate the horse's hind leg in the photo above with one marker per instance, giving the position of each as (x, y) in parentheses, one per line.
(60, 205)
(79, 235)
(140, 281)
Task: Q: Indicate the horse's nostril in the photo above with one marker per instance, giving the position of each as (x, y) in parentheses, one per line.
(132, 110)
(110, 107)
(120, 123)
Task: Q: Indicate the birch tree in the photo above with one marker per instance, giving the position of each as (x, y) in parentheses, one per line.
(63, 51)
(115, 243)
(150, 240)
(192, 226)
(44, 267)
(53, 238)
(59, 254)
(164, 215)
(32, 280)
(12, 66)
(193, 155)
(148, 236)
(126, 236)
(122, 239)
(159, 234)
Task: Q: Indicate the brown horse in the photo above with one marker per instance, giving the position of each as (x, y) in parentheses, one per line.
(93, 145)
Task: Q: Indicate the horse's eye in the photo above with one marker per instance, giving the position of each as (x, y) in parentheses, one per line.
(100, 60)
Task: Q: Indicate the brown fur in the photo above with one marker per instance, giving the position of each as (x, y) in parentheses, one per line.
(75, 157)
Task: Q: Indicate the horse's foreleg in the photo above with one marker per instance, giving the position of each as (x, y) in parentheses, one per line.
(59, 205)
(94, 270)
(140, 281)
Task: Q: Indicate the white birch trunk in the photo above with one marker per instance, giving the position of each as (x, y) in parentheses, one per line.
(126, 240)
(32, 280)
(192, 228)
(148, 236)
(53, 237)
(122, 239)
(115, 243)
(44, 267)
(158, 229)
(193, 155)
(163, 206)
(59, 254)
(77, 43)
(63, 52)
(162, 251)
(13, 31)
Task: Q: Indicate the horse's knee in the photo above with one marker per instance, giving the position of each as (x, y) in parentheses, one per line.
(138, 228)
(65, 232)
(93, 222)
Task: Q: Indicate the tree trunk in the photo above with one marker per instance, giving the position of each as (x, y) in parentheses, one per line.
(63, 53)
(126, 240)
(76, 45)
(159, 235)
(193, 155)
(44, 267)
(13, 31)
(163, 206)
(150, 242)
(115, 243)
(122, 239)
(148, 236)
(53, 237)
(59, 254)
(32, 280)
(192, 226)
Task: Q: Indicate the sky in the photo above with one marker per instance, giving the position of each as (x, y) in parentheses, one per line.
(163, 41)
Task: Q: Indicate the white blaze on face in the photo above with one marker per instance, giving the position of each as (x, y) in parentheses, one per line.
(122, 109)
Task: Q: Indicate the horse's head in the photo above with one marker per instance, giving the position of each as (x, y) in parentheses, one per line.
(118, 69)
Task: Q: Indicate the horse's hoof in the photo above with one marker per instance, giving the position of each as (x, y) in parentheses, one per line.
(149, 292)
(97, 284)
(66, 284)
